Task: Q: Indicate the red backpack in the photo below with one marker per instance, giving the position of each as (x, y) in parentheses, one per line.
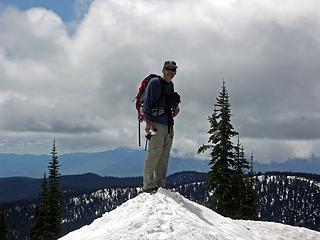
(139, 100)
(140, 95)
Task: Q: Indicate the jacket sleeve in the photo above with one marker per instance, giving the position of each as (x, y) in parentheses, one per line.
(151, 95)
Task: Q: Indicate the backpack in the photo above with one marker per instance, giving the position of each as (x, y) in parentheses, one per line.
(139, 101)
(141, 93)
(172, 100)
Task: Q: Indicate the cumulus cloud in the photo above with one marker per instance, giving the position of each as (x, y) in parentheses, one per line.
(78, 87)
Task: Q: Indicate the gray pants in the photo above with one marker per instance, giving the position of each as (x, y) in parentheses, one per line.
(156, 162)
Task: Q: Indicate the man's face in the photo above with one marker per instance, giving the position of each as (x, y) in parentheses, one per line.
(169, 73)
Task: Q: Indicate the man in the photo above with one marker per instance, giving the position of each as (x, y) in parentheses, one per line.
(159, 108)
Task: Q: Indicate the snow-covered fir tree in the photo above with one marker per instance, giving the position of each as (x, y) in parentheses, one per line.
(221, 177)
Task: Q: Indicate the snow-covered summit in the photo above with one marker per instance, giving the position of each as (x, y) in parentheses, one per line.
(168, 215)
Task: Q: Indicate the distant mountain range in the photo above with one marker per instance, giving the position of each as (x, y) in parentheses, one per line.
(117, 163)
(19, 188)
(123, 162)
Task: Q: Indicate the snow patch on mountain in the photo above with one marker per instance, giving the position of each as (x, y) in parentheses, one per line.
(167, 215)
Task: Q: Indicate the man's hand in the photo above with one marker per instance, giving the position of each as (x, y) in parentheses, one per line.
(149, 125)
(176, 111)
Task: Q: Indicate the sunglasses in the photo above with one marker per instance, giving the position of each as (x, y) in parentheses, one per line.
(171, 69)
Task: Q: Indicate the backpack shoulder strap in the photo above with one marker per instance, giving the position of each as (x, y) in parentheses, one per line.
(162, 83)
(152, 75)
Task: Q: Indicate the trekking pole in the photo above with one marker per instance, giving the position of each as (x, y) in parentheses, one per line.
(145, 147)
(139, 133)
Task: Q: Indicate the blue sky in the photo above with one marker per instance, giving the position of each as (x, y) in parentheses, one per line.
(64, 8)
(78, 87)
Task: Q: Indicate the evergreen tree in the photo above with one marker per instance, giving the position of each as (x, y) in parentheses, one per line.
(241, 164)
(48, 216)
(4, 231)
(40, 229)
(55, 203)
(251, 170)
(222, 173)
(249, 208)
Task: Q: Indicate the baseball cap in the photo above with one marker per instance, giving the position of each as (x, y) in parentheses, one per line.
(170, 64)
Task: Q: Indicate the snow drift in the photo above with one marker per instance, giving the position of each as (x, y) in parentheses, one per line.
(168, 215)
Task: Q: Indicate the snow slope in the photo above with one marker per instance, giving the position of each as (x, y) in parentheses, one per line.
(168, 215)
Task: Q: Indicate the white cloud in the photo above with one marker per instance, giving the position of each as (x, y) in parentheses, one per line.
(79, 86)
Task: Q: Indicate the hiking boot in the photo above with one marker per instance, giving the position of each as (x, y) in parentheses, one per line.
(150, 190)
(169, 189)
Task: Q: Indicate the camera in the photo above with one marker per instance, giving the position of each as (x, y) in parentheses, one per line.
(151, 133)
